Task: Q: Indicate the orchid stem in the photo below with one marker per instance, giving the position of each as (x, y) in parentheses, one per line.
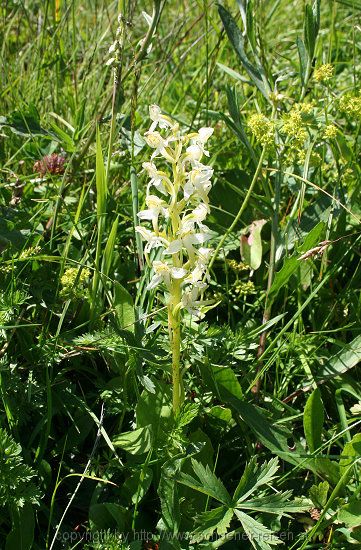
(175, 326)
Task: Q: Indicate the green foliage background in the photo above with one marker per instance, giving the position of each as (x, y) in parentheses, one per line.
(266, 443)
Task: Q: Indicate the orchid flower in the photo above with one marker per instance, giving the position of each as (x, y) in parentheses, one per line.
(178, 224)
(164, 273)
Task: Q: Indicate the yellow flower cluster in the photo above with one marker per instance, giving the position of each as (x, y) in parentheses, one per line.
(262, 128)
(74, 283)
(242, 289)
(330, 131)
(351, 105)
(293, 126)
(238, 267)
(324, 73)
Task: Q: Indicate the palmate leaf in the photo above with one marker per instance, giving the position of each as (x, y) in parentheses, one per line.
(277, 504)
(217, 520)
(208, 483)
(259, 536)
(255, 476)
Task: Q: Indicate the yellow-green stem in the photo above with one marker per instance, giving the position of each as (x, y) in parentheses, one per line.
(175, 327)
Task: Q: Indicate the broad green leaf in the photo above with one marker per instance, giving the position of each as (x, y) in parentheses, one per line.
(351, 452)
(137, 485)
(155, 408)
(236, 39)
(137, 442)
(251, 246)
(220, 416)
(255, 476)
(318, 494)
(21, 536)
(276, 437)
(26, 122)
(218, 520)
(108, 515)
(350, 514)
(345, 359)
(259, 536)
(217, 377)
(290, 265)
(313, 418)
(208, 483)
(124, 307)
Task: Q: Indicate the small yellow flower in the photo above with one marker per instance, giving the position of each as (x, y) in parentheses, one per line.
(238, 267)
(74, 284)
(330, 131)
(243, 288)
(293, 126)
(324, 73)
(351, 105)
(262, 128)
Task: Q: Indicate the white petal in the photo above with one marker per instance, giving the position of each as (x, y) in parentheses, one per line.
(178, 272)
(174, 247)
(145, 233)
(188, 189)
(147, 214)
(156, 280)
(205, 134)
(194, 152)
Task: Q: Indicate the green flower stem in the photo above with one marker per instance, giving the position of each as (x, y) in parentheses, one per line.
(175, 330)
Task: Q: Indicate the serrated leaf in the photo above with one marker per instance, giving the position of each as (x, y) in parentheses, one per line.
(259, 536)
(278, 504)
(313, 418)
(207, 483)
(168, 492)
(218, 520)
(255, 476)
